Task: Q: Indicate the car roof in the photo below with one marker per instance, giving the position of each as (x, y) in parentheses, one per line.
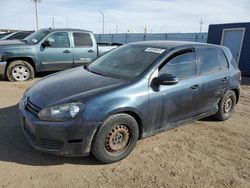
(64, 29)
(167, 44)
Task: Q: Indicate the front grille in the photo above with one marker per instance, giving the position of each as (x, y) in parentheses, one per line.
(32, 108)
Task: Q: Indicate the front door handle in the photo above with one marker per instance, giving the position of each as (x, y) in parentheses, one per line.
(66, 51)
(194, 87)
(91, 51)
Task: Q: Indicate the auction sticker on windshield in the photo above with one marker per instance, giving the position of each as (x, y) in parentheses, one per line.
(155, 50)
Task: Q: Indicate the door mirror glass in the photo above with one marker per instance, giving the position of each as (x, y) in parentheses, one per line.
(166, 79)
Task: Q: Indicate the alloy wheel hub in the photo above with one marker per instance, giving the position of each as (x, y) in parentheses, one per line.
(20, 73)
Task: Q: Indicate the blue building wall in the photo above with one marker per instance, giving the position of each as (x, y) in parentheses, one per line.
(134, 37)
(214, 37)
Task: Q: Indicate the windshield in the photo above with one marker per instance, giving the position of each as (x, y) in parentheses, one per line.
(126, 62)
(36, 36)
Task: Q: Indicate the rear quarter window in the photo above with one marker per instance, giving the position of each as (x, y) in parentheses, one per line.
(209, 60)
(230, 57)
(223, 60)
(82, 40)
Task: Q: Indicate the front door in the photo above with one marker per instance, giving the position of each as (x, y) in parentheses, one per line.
(58, 55)
(170, 104)
(233, 39)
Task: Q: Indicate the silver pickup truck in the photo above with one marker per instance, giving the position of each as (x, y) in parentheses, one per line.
(48, 50)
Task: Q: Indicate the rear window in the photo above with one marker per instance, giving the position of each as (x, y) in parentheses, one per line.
(209, 60)
(82, 40)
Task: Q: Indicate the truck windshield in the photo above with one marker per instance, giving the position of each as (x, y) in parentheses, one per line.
(126, 62)
(36, 36)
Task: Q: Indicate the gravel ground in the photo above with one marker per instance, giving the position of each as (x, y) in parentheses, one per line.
(206, 153)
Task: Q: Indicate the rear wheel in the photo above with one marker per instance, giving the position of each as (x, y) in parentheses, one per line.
(115, 138)
(226, 106)
(19, 70)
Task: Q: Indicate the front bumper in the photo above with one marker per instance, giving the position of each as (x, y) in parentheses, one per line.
(71, 138)
(3, 65)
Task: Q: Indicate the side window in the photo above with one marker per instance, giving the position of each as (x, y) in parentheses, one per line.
(82, 40)
(209, 60)
(59, 40)
(223, 60)
(181, 66)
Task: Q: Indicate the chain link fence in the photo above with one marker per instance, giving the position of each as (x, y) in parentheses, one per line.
(134, 37)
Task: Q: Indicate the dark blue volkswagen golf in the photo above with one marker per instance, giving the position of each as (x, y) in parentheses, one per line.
(135, 91)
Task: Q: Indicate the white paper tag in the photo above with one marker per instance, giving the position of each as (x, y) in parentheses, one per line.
(155, 50)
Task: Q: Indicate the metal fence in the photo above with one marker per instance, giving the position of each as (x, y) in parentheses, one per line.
(134, 37)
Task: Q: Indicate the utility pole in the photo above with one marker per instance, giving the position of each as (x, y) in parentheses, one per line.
(201, 23)
(102, 20)
(53, 22)
(116, 29)
(67, 22)
(36, 1)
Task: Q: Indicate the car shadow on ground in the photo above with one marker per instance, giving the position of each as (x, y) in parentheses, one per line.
(15, 148)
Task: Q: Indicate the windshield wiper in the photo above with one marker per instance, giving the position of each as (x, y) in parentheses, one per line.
(87, 69)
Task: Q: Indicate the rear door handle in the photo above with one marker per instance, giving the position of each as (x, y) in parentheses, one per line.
(66, 51)
(224, 79)
(194, 87)
(91, 51)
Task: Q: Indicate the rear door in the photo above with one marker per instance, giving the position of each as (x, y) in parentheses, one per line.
(85, 48)
(170, 104)
(214, 77)
(57, 56)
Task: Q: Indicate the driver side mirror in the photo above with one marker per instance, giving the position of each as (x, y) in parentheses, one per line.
(166, 79)
(46, 44)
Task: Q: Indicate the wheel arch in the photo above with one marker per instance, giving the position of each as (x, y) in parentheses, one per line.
(237, 93)
(132, 112)
(27, 59)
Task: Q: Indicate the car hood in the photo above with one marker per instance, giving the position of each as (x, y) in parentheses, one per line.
(11, 42)
(55, 88)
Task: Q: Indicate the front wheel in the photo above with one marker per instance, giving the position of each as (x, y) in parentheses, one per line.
(115, 138)
(226, 106)
(19, 70)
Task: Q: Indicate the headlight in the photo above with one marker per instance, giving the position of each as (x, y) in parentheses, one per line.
(64, 112)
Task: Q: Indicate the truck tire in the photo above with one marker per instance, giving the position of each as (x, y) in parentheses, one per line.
(20, 70)
(115, 138)
(226, 106)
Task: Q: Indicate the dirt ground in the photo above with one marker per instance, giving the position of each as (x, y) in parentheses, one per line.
(206, 153)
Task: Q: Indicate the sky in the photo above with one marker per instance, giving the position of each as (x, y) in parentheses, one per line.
(122, 16)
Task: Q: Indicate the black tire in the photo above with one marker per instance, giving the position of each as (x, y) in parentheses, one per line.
(226, 106)
(108, 145)
(27, 69)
